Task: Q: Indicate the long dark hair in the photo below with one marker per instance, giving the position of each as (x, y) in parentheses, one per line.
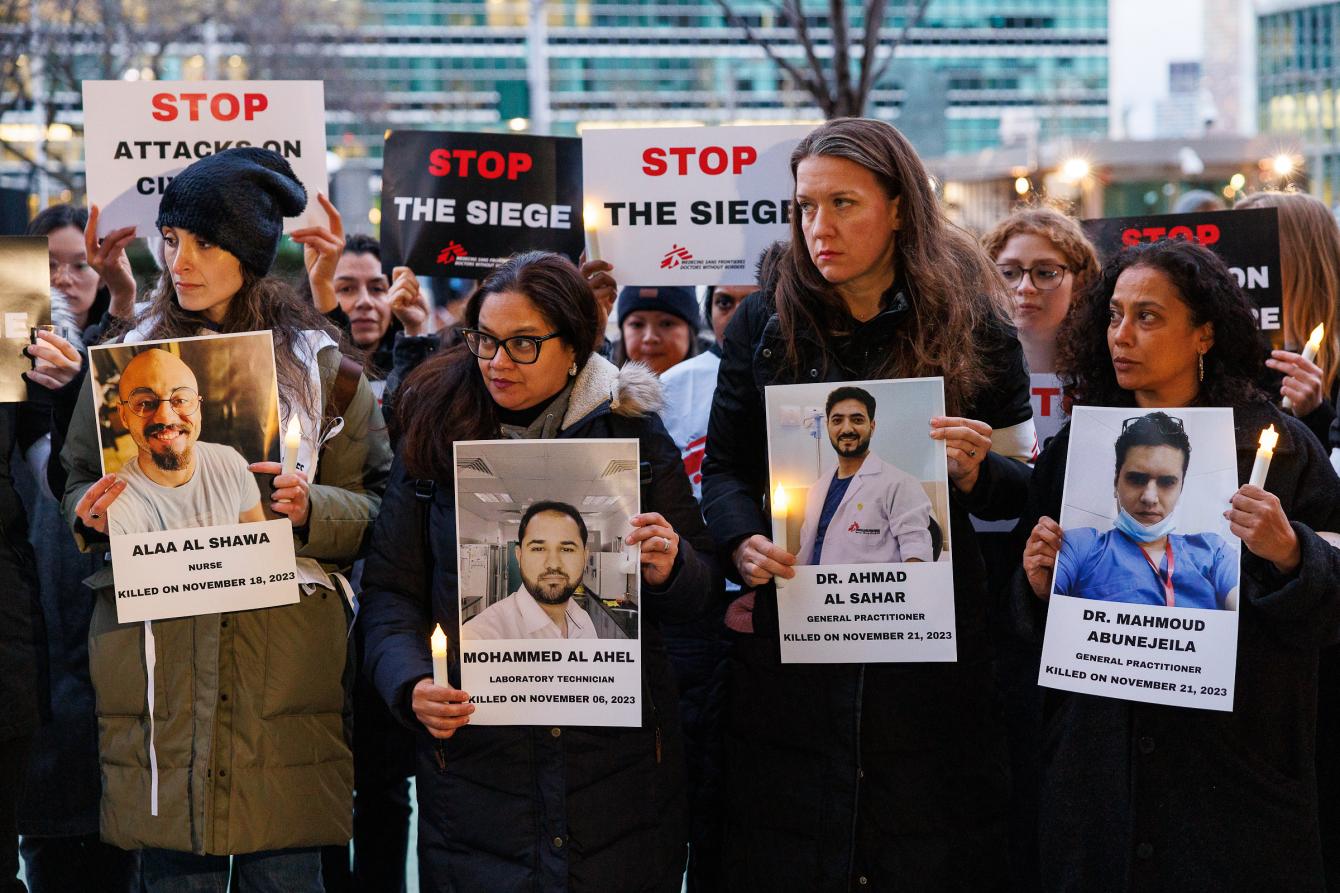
(446, 400)
(955, 291)
(58, 217)
(1210, 292)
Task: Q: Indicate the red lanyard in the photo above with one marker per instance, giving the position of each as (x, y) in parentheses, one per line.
(1167, 583)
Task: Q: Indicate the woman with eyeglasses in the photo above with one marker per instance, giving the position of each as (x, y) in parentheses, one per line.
(251, 761)
(521, 807)
(1139, 796)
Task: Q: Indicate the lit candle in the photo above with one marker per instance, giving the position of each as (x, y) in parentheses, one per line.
(591, 222)
(1310, 351)
(292, 440)
(780, 507)
(439, 642)
(1266, 451)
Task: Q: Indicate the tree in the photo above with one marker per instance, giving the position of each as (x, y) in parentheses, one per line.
(837, 89)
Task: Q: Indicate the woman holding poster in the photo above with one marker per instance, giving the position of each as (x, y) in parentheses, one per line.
(894, 773)
(248, 709)
(1141, 796)
(527, 807)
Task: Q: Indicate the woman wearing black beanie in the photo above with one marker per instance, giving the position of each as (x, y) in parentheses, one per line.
(250, 740)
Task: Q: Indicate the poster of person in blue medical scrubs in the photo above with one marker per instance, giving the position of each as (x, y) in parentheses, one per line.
(1145, 593)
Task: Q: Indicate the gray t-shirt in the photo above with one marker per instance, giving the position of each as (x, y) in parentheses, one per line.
(219, 491)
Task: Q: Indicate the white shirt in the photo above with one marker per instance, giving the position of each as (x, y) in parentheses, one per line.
(883, 517)
(221, 488)
(519, 616)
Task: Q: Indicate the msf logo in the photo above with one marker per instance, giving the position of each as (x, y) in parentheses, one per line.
(449, 254)
(865, 531)
(674, 257)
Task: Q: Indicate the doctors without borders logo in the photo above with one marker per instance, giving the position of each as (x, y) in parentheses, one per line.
(857, 528)
(674, 257)
(449, 255)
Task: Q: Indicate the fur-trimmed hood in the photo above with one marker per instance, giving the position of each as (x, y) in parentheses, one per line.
(633, 390)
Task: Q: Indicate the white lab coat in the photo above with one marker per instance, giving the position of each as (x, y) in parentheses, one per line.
(884, 517)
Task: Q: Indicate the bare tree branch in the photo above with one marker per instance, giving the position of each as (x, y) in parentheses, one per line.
(815, 88)
(796, 16)
(912, 21)
(874, 21)
(841, 58)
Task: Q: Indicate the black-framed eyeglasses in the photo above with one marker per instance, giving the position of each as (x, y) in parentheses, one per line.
(184, 401)
(1162, 422)
(1045, 277)
(523, 349)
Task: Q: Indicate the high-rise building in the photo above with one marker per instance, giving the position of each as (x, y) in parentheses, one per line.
(1299, 82)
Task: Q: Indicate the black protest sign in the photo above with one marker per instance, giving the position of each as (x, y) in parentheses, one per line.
(459, 204)
(1248, 241)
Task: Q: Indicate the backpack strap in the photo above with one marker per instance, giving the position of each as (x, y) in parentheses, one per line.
(344, 387)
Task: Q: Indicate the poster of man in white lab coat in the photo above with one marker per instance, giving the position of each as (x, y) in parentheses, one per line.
(860, 496)
(866, 510)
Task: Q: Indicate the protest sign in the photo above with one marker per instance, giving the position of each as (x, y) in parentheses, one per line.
(180, 420)
(25, 299)
(459, 204)
(139, 134)
(864, 507)
(1247, 240)
(688, 205)
(1144, 600)
(549, 594)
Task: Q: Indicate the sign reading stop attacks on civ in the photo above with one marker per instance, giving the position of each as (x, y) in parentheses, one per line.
(139, 134)
(688, 205)
(459, 204)
(1247, 240)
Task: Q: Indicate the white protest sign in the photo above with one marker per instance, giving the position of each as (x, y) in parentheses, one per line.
(180, 421)
(139, 134)
(548, 593)
(1144, 600)
(687, 205)
(864, 507)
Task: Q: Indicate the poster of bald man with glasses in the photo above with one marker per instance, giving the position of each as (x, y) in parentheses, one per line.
(180, 424)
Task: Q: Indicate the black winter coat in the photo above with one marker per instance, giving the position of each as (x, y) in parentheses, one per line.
(1146, 797)
(21, 629)
(525, 808)
(858, 776)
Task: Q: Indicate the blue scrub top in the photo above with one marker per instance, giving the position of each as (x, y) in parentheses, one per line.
(836, 491)
(1111, 567)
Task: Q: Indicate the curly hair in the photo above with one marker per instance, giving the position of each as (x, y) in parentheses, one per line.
(1204, 283)
(1061, 230)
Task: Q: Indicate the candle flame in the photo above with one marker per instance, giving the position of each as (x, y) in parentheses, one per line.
(1269, 437)
(439, 641)
(293, 436)
(780, 501)
(1314, 340)
(591, 217)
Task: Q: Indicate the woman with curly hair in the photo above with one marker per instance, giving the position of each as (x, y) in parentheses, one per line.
(1139, 796)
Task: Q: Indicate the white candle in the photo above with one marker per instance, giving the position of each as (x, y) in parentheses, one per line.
(1310, 351)
(439, 643)
(1266, 451)
(591, 222)
(780, 508)
(292, 440)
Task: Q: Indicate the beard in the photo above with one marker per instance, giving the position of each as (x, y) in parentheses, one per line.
(548, 590)
(851, 446)
(168, 459)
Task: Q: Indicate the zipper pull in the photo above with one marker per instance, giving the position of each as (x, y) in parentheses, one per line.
(658, 745)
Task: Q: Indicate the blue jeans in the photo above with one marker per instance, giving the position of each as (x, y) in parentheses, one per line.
(269, 871)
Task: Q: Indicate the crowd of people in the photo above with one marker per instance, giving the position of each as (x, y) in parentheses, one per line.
(269, 740)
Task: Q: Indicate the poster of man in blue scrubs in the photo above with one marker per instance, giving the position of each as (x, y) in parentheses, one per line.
(1145, 557)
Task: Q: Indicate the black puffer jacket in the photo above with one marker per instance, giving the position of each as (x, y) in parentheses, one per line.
(21, 629)
(1144, 797)
(851, 776)
(538, 808)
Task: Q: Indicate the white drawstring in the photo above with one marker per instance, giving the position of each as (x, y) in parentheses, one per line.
(151, 658)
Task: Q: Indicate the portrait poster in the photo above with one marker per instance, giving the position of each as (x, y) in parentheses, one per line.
(180, 421)
(688, 205)
(1145, 593)
(1247, 240)
(25, 299)
(460, 204)
(549, 592)
(864, 507)
(138, 135)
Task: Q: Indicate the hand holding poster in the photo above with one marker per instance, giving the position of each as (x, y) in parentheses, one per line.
(139, 134)
(25, 298)
(688, 205)
(548, 591)
(459, 204)
(180, 421)
(866, 513)
(1144, 598)
(1247, 240)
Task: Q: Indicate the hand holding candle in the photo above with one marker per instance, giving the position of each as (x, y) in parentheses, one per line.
(1310, 351)
(1265, 452)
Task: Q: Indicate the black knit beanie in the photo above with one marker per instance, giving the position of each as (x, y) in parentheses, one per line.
(237, 199)
(674, 299)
